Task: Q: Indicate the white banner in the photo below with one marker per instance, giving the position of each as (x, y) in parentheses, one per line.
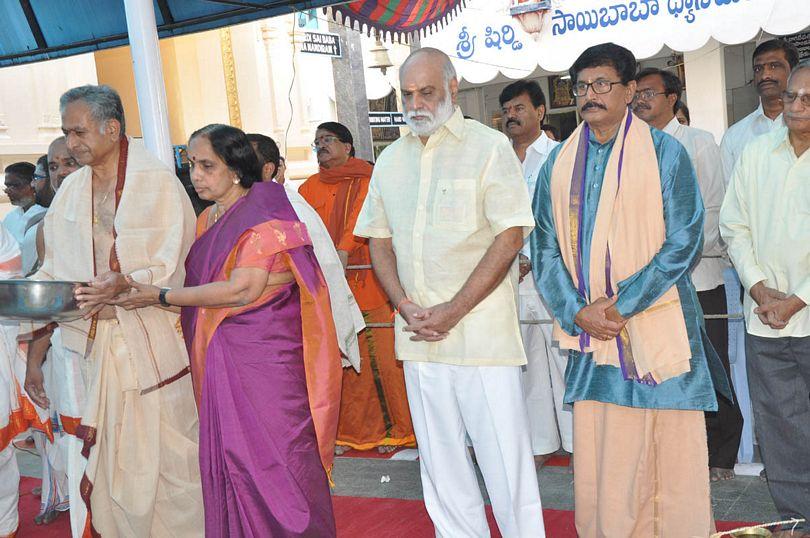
(484, 39)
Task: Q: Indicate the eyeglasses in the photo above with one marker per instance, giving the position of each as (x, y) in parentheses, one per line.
(647, 95)
(599, 86)
(39, 177)
(323, 141)
(789, 97)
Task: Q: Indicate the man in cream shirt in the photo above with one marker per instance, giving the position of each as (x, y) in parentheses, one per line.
(523, 106)
(766, 222)
(446, 213)
(657, 91)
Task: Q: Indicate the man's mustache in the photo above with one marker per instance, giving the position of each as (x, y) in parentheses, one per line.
(766, 81)
(513, 121)
(642, 107)
(322, 150)
(592, 104)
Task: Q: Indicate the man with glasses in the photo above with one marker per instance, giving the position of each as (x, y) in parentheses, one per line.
(619, 227)
(43, 195)
(374, 409)
(772, 61)
(345, 312)
(766, 223)
(26, 213)
(656, 94)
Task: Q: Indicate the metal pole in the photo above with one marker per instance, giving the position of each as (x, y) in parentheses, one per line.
(151, 90)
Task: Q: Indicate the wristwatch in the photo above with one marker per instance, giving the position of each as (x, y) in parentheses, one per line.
(162, 296)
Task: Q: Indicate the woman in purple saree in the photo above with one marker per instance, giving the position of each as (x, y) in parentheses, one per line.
(264, 355)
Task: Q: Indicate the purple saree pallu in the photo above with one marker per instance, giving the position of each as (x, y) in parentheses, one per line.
(262, 475)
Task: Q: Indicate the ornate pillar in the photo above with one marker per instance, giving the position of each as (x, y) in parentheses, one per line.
(228, 67)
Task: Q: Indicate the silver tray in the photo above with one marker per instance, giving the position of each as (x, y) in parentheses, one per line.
(47, 300)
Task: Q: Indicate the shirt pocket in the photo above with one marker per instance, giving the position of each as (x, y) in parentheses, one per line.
(455, 204)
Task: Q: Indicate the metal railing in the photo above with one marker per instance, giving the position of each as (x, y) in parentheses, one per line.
(730, 317)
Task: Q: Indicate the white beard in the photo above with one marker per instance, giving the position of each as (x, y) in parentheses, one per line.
(426, 127)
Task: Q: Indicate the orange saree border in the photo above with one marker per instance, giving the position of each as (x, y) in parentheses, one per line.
(23, 418)
(322, 367)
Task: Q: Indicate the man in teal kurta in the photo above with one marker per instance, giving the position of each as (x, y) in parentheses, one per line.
(642, 461)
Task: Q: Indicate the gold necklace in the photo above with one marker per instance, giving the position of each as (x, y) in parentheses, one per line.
(217, 212)
(100, 205)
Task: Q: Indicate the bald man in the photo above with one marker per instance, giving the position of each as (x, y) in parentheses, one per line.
(446, 213)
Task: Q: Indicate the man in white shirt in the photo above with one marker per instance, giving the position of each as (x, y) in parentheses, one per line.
(446, 213)
(656, 94)
(772, 62)
(766, 223)
(523, 106)
(26, 213)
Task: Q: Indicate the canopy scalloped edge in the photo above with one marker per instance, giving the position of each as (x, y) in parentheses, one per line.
(343, 14)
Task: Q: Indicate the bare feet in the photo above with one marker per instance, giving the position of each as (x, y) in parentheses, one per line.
(386, 449)
(340, 449)
(46, 518)
(719, 474)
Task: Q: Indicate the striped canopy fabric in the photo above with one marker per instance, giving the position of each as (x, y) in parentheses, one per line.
(397, 18)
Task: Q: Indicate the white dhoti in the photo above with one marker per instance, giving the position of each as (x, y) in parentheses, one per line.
(485, 402)
(68, 397)
(550, 421)
(142, 473)
(12, 423)
(9, 491)
(54, 479)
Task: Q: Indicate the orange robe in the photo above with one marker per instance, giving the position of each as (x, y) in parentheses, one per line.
(374, 405)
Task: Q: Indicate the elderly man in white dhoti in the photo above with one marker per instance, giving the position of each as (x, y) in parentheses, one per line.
(124, 213)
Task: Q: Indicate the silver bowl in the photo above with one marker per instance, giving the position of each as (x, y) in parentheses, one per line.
(47, 300)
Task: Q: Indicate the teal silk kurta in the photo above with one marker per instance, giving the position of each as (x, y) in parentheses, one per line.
(683, 217)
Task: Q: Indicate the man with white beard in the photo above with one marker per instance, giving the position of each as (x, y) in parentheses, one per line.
(446, 213)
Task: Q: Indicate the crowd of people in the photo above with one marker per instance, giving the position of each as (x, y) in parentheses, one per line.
(224, 359)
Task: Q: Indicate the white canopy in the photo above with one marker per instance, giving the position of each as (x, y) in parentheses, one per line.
(484, 39)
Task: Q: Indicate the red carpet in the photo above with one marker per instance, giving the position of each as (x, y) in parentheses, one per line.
(29, 508)
(396, 518)
(357, 517)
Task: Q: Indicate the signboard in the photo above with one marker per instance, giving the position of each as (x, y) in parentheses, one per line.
(485, 40)
(321, 43)
(385, 119)
(801, 42)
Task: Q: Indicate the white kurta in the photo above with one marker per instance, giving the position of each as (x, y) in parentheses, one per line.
(741, 133)
(705, 155)
(442, 204)
(550, 422)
